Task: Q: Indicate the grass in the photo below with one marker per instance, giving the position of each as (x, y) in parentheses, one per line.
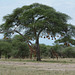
(60, 60)
(34, 70)
(21, 70)
(48, 60)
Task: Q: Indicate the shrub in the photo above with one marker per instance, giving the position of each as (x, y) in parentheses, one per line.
(69, 52)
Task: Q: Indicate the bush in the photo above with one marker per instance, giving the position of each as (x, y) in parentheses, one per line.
(69, 52)
(20, 50)
(5, 49)
(45, 50)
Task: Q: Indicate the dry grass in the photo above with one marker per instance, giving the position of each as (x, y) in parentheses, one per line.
(60, 60)
(26, 67)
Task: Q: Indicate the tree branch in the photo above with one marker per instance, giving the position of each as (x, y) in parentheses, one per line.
(40, 31)
(24, 37)
(19, 34)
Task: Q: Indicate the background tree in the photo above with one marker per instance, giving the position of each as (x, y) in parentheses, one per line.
(34, 21)
(0, 48)
(5, 49)
(20, 48)
(45, 51)
(69, 52)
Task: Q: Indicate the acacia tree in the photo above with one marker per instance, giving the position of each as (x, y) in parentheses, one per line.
(35, 20)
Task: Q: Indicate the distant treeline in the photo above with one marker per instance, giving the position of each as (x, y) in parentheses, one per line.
(19, 49)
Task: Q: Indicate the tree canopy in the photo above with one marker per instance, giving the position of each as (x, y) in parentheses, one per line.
(36, 18)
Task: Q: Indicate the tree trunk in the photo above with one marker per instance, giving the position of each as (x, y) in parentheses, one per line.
(38, 49)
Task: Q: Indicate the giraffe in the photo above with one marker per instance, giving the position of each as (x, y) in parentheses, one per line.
(32, 51)
(54, 54)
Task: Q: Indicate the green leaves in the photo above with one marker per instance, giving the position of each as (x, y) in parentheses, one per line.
(36, 18)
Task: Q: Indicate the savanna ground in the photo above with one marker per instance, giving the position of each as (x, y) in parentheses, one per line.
(63, 66)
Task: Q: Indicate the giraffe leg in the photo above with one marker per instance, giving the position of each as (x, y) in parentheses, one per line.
(57, 56)
(30, 55)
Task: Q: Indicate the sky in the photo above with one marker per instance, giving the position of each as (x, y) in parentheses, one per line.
(64, 6)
